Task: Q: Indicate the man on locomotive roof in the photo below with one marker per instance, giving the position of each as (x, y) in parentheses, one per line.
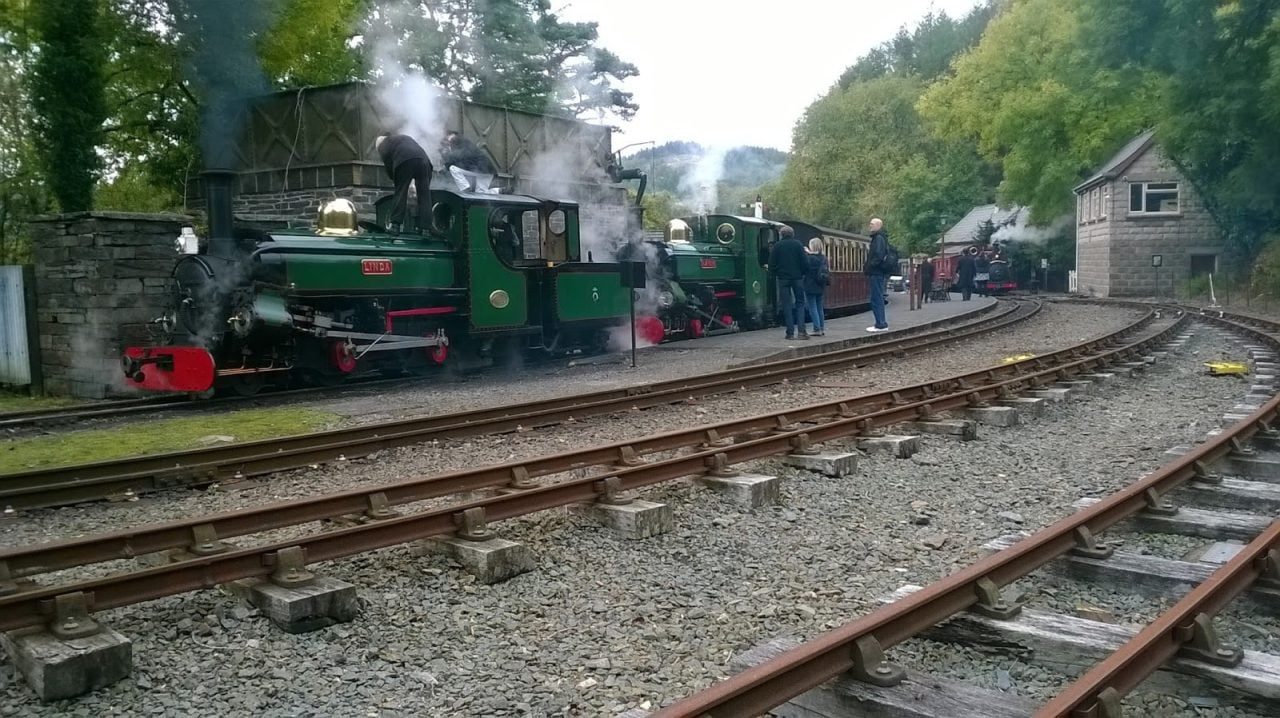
(788, 265)
(880, 263)
(468, 164)
(406, 162)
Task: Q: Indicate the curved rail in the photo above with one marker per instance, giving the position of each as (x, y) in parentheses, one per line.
(858, 647)
(62, 485)
(759, 437)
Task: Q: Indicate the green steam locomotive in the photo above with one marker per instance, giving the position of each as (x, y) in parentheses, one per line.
(493, 272)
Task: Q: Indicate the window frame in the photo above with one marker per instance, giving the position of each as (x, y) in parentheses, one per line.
(1145, 194)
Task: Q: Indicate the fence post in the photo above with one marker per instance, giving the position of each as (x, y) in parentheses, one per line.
(33, 329)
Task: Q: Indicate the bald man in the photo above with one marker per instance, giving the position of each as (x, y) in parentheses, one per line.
(878, 268)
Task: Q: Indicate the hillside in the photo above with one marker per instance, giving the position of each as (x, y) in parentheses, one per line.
(720, 178)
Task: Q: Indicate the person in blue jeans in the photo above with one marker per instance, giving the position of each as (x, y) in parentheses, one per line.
(877, 270)
(816, 281)
(788, 264)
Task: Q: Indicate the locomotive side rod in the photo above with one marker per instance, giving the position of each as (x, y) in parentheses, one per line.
(30, 608)
(63, 485)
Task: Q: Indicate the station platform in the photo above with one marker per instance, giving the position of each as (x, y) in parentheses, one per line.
(753, 347)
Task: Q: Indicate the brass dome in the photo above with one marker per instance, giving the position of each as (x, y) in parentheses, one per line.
(679, 231)
(337, 218)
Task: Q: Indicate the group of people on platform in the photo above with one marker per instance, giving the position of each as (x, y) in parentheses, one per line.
(407, 164)
(802, 275)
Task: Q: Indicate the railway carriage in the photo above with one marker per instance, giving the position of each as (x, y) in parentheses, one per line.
(847, 256)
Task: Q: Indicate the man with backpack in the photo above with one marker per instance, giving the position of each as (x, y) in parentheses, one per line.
(882, 260)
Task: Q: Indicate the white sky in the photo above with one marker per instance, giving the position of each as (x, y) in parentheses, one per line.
(739, 72)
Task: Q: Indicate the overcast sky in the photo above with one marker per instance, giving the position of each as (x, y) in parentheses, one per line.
(739, 72)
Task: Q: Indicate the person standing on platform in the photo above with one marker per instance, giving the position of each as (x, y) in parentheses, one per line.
(926, 280)
(966, 268)
(816, 281)
(788, 265)
(407, 163)
(878, 266)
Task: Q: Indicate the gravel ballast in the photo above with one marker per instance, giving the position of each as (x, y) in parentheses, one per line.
(606, 624)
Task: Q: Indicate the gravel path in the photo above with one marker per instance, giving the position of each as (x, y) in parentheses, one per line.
(606, 624)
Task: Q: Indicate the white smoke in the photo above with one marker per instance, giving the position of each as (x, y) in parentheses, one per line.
(699, 188)
(411, 103)
(1021, 231)
(566, 171)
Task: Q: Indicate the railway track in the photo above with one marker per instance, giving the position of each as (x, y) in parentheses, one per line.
(971, 603)
(710, 450)
(31, 419)
(71, 484)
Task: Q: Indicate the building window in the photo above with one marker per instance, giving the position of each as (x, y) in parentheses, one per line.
(1153, 198)
(1202, 264)
(1079, 209)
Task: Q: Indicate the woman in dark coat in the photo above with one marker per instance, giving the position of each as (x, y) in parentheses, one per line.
(816, 278)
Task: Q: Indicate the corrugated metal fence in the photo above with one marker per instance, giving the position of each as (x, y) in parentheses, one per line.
(15, 354)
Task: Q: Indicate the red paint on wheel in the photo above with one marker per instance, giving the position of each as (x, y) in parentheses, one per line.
(695, 328)
(342, 357)
(438, 353)
(650, 329)
(727, 319)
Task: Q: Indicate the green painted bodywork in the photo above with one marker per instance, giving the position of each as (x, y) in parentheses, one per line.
(589, 295)
(316, 264)
(488, 274)
(750, 234)
(689, 262)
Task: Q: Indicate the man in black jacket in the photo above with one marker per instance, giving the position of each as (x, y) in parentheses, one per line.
(966, 268)
(878, 267)
(406, 163)
(926, 280)
(469, 165)
(788, 264)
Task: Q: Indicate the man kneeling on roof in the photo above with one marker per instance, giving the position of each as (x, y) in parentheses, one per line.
(468, 164)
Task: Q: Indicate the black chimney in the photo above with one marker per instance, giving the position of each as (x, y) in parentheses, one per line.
(217, 195)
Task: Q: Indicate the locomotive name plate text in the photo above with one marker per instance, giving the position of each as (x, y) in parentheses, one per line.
(375, 267)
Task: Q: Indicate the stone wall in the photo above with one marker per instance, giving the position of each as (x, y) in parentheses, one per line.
(1114, 254)
(303, 204)
(101, 277)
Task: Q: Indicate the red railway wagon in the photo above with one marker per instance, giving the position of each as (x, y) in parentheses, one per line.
(846, 253)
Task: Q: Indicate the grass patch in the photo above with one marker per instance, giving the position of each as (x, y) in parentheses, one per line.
(158, 437)
(22, 402)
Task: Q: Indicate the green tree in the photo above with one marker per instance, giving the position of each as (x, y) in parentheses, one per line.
(925, 51)
(513, 53)
(1215, 69)
(22, 191)
(863, 151)
(67, 93)
(1036, 101)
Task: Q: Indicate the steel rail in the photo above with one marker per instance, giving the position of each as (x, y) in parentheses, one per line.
(207, 532)
(838, 651)
(1097, 694)
(33, 607)
(63, 485)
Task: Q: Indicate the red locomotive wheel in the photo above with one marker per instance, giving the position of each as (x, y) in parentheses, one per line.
(695, 328)
(438, 353)
(650, 329)
(727, 319)
(343, 358)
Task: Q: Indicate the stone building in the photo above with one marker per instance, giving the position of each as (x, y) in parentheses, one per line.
(1136, 212)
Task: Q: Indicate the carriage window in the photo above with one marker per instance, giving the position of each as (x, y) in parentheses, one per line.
(765, 240)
